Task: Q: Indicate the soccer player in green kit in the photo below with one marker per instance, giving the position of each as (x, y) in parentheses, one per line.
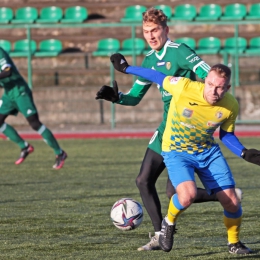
(171, 59)
(18, 97)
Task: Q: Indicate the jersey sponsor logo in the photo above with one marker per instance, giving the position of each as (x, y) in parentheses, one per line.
(168, 65)
(212, 124)
(160, 63)
(187, 112)
(174, 80)
(153, 137)
(1, 102)
(193, 104)
(219, 114)
(190, 56)
(194, 59)
(188, 125)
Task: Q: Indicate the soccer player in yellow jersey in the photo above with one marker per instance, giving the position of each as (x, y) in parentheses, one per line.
(196, 111)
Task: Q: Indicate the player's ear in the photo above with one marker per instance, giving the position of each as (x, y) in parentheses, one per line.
(167, 29)
(228, 86)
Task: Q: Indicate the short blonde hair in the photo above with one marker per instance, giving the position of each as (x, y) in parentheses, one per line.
(156, 16)
(222, 70)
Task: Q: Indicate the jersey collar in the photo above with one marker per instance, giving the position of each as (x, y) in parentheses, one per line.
(161, 53)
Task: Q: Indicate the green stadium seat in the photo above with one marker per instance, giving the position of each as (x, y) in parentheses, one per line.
(6, 45)
(254, 46)
(188, 41)
(254, 12)
(166, 9)
(49, 47)
(21, 48)
(25, 15)
(129, 44)
(134, 13)
(234, 12)
(210, 12)
(50, 14)
(208, 45)
(6, 14)
(184, 12)
(106, 47)
(75, 14)
(230, 45)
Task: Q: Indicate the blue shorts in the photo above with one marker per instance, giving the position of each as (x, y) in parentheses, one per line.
(211, 167)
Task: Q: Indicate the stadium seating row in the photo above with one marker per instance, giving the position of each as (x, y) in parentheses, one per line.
(48, 47)
(50, 14)
(78, 14)
(207, 45)
(188, 12)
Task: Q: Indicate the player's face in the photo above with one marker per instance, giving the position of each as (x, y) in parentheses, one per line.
(215, 87)
(155, 35)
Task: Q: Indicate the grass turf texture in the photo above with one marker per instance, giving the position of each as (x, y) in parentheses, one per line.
(50, 214)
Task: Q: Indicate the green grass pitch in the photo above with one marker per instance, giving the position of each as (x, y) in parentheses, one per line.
(50, 214)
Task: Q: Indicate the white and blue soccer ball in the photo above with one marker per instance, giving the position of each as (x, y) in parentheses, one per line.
(126, 214)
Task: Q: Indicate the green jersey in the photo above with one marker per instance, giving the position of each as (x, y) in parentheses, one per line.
(15, 83)
(173, 59)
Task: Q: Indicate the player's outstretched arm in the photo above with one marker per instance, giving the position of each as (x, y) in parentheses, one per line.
(108, 93)
(230, 140)
(119, 62)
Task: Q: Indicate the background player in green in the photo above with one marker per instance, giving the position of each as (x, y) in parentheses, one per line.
(171, 59)
(18, 97)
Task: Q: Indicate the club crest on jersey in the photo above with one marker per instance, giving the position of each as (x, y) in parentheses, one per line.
(174, 80)
(219, 114)
(212, 124)
(160, 63)
(168, 65)
(187, 112)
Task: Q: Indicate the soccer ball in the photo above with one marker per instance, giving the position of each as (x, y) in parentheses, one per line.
(126, 214)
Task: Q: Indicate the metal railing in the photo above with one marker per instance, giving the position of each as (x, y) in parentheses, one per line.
(133, 26)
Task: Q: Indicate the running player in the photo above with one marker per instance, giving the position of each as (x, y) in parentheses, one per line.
(172, 59)
(196, 111)
(18, 97)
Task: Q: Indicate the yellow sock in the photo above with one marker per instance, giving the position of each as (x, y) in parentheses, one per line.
(173, 212)
(233, 228)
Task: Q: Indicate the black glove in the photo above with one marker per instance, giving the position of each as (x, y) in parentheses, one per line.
(119, 62)
(108, 93)
(251, 155)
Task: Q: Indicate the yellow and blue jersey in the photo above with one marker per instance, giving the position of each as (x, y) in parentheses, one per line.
(191, 121)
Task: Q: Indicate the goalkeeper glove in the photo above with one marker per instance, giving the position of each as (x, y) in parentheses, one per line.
(119, 62)
(108, 93)
(251, 155)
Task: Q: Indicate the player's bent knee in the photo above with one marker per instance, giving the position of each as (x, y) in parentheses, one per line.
(35, 125)
(34, 122)
(141, 182)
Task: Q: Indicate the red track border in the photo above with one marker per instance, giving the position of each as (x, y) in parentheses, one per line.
(104, 135)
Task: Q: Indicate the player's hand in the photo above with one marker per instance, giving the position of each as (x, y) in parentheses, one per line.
(119, 62)
(252, 156)
(108, 93)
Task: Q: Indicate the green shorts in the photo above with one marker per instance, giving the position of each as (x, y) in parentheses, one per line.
(23, 103)
(155, 143)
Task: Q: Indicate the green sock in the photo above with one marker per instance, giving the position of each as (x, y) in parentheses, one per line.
(11, 133)
(50, 139)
